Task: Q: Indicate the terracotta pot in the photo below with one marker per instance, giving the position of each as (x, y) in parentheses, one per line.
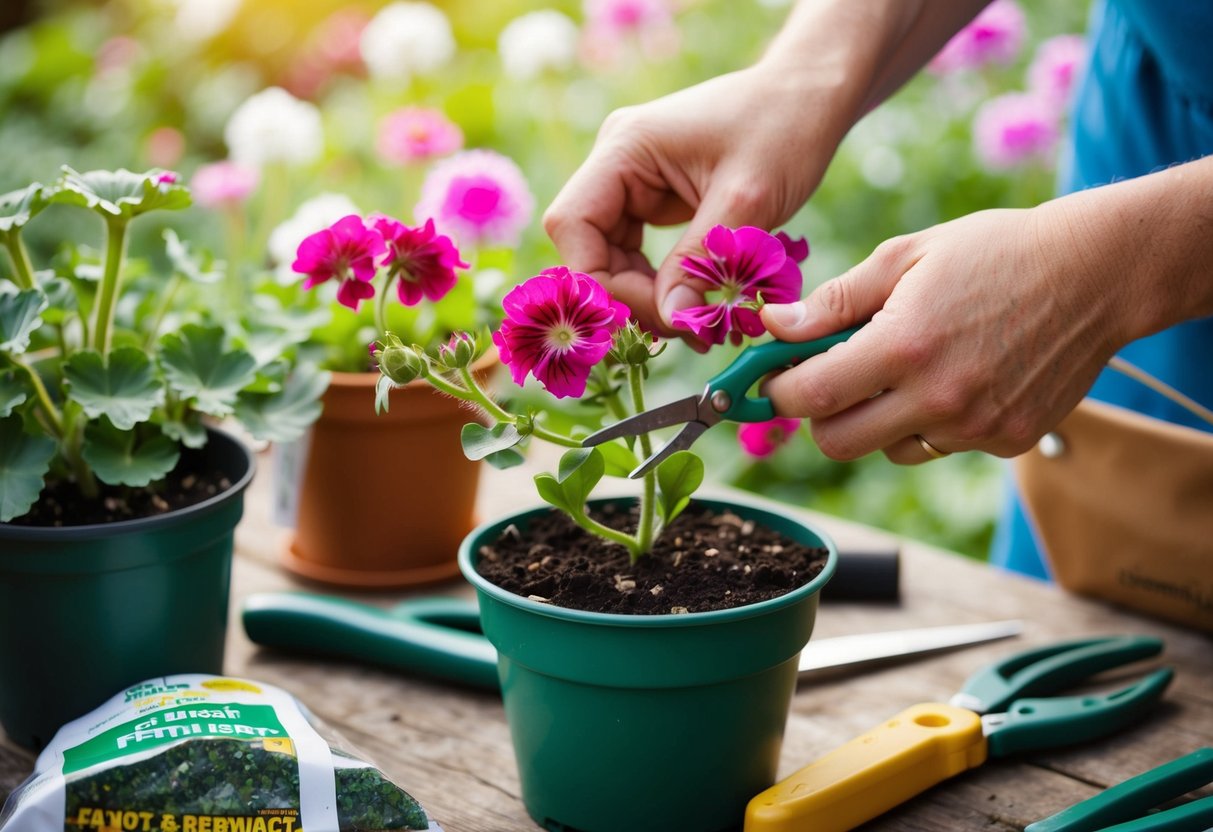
(384, 499)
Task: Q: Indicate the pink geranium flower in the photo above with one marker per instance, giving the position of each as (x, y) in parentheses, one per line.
(557, 326)
(1055, 67)
(740, 264)
(612, 24)
(423, 260)
(223, 184)
(994, 36)
(416, 134)
(345, 251)
(761, 439)
(479, 196)
(1014, 128)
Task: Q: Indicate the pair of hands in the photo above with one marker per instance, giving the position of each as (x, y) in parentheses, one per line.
(985, 331)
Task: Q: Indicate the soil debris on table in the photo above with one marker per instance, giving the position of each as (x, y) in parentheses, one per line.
(704, 561)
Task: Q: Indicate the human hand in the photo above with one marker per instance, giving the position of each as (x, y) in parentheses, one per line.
(985, 331)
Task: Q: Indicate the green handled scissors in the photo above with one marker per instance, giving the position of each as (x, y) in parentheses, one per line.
(726, 396)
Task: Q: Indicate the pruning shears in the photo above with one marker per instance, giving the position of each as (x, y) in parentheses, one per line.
(726, 396)
(928, 743)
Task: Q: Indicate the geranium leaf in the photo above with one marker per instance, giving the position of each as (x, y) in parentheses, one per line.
(188, 430)
(677, 479)
(199, 267)
(60, 296)
(552, 492)
(122, 386)
(580, 470)
(120, 193)
(509, 458)
(20, 315)
(619, 460)
(284, 416)
(200, 366)
(479, 442)
(24, 461)
(128, 457)
(19, 207)
(13, 392)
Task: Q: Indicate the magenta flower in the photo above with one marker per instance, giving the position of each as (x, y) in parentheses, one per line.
(168, 177)
(1055, 68)
(739, 265)
(994, 36)
(479, 196)
(798, 250)
(612, 24)
(423, 260)
(416, 134)
(761, 439)
(223, 184)
(1014, 128)
(557, 326)
(345, 251)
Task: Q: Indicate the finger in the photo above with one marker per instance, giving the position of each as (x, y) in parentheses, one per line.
(908, 451)
(829, 383)
(849, 299)
(582, 215)
(875, 424)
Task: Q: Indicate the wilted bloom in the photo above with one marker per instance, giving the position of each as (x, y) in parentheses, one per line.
(739, 265)
(610, 24)
(423, 260)
(557, 326)
(1014, 128)
(223, 184)
(1055, 67)
(417, 134)
(479, 196)
(994, 36)
(346, 251)
(274, 126)
(536, 42)
(406, 39)
(311, 216)
(761, 439)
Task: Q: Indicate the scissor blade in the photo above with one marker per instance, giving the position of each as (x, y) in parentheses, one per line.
(848, 651)
(674, 413)
(685, 439)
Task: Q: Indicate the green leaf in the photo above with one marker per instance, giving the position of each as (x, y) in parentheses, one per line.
(580, 470)
(677, 479)
(20, 315)
(509, 458)
(552, 492)
(619, 460)
(19, 207)
(119, 193)
(60, 296)
(284, 416)
(128, 457)
(479, 442)
(200, 367)
(124, 387)
(199, 267)
(24, 461)
(188, 430)
(13, 392)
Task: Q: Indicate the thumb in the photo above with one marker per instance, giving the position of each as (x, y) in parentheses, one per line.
(849, 299)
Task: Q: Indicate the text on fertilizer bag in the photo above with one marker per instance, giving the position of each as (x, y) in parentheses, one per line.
(111, 820)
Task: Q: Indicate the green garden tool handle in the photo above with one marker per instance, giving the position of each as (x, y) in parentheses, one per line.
(754, 363)
(1123, 807)
(437, 637)
(1049, 722)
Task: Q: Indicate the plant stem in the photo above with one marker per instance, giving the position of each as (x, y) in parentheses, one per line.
(234, 234)
(72, 451)
(23, 270)
(502, 415)
(107, 296)
(45, 403)
(648, 500)
(381, 303)
(595, 528)
(173, 287)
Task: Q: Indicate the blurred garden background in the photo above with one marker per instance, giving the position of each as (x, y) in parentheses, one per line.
(282, 114)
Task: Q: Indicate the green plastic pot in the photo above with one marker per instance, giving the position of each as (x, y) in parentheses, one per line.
(88, 610)
(646, 722)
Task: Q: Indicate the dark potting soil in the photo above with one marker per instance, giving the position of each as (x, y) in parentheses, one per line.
(703, 561)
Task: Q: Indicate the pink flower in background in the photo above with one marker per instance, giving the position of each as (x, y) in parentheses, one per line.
(224, 184)
(416, 134)
(557, 326)
(761, 439)
(994, 36)
(1011, 129)
(422, 259)
(1056, 66)
(345, 251)
(611, 24)
(164, 147)
(479, 196)
(739, 265)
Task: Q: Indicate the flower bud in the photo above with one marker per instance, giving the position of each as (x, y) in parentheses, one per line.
(400, 363)
(633, 346)
(459, 352)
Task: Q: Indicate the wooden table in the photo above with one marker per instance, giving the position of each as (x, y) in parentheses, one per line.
(450, 747)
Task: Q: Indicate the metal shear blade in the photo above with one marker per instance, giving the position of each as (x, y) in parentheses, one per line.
(696, 413)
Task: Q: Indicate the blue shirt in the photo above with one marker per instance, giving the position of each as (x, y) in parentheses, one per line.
(1145, 102)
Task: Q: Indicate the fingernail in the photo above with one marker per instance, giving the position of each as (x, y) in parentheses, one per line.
(786, 314)
(680, 297)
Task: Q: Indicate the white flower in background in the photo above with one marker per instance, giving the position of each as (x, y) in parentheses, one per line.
(536, 42)
(274, 126)
(315, 214)
(199, 20)
(406, 39)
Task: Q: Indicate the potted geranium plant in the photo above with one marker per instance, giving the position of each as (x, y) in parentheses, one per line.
(647, 646)
(118, 498)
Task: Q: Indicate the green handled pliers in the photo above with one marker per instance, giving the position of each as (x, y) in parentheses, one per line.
(726, 396)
